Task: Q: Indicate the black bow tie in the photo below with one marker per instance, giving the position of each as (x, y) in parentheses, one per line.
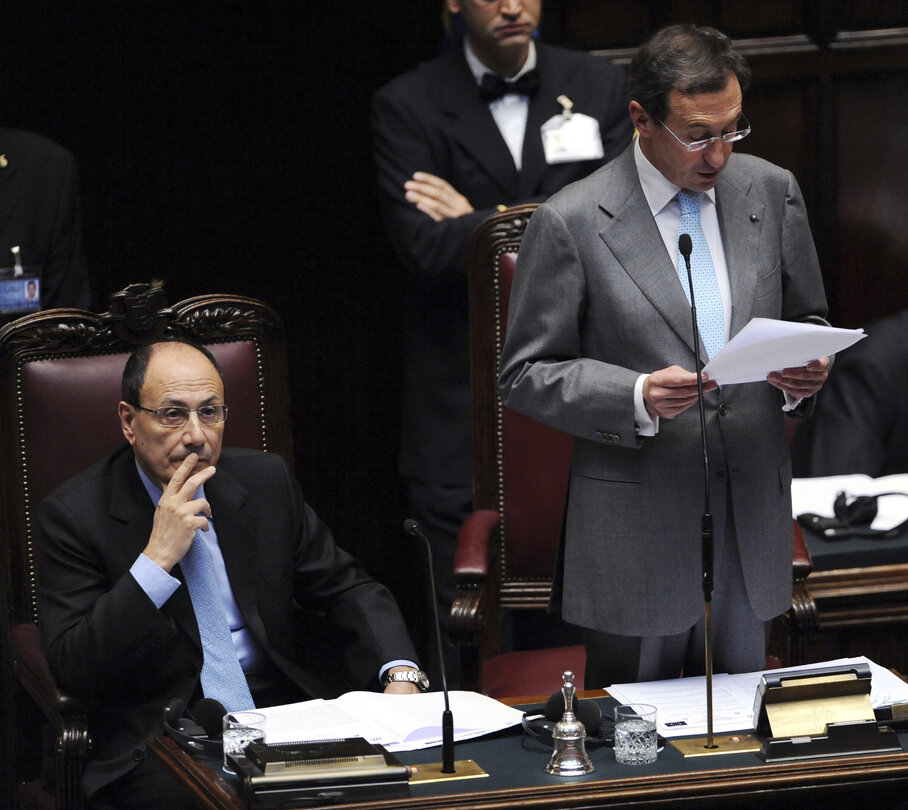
(492, 86)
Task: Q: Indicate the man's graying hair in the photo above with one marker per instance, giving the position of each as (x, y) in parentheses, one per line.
(134, 372)
(686, 58)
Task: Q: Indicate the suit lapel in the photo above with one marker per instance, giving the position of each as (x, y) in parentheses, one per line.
(740, 222)
(542, 106)
(631, 234)
(237, 540)
(472, 125)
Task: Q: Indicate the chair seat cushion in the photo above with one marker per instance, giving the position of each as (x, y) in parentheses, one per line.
(532, 672)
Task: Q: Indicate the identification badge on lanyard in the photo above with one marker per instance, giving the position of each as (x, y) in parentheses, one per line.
(20, 287)
(571, 136)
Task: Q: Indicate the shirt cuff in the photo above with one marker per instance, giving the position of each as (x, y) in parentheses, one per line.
(643, 422)
(154, 580)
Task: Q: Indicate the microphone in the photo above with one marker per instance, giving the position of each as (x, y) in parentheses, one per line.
(411, 527)
(209, 714)
(685, 247)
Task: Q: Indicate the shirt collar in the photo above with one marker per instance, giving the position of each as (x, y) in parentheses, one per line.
(657, 188)
(477, 68)
(155, 492)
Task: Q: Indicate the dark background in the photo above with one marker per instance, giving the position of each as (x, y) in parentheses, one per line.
(225, 147)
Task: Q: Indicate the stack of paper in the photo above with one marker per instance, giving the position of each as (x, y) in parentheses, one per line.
(398, 722)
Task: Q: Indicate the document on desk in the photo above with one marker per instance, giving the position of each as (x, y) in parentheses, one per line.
(681, 702)
(398, 722)
(766, 345)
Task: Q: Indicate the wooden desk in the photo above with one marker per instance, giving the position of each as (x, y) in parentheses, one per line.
(517, 780)
(856, 602)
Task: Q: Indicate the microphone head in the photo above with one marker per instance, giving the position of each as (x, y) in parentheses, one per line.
(685, 245)
(411, 526)
(209, 714)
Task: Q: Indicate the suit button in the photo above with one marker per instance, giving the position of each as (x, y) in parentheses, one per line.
(138, 755)
(723, 409)
(720, 474)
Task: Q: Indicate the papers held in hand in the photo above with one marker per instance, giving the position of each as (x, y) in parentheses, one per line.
(766, 345)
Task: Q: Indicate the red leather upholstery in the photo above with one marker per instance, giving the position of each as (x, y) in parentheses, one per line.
(532, 672)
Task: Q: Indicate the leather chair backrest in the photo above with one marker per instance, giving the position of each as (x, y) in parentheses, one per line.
(520, 466)
(60, 387)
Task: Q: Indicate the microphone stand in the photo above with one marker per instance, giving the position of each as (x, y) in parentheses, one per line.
(468, 768)
(739, 742)
(685, 246)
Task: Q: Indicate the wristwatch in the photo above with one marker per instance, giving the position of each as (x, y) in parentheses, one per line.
(416, 676)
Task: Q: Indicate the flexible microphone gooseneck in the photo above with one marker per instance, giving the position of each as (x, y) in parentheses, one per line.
(411, 527)
(685, 247)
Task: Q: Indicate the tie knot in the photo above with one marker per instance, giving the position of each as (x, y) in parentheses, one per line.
(492, 86)
(690, 201)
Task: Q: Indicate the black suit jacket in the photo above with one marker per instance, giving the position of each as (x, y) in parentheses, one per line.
(432, 119)
(39, 212)
(108, 644)
(861, 420)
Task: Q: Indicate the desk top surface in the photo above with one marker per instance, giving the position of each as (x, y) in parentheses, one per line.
(517, 775)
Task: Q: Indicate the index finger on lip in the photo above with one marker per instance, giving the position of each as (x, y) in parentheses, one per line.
(182, 472)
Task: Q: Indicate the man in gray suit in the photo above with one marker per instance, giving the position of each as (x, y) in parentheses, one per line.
(600, 345)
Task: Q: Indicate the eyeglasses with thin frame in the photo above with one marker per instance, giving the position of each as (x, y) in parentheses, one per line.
(176, 415)
(728, 137)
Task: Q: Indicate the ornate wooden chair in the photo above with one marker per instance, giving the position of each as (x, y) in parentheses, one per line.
(506, 549)
(59, 384)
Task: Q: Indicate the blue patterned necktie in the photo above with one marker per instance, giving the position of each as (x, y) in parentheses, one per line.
(710, 318)
(222, 676)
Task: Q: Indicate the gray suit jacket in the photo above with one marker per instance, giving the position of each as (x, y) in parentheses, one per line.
(596, 302)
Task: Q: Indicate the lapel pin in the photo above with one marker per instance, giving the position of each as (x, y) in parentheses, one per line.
(754, 218)
(3, 162)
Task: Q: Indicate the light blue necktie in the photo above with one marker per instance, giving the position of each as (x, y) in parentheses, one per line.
(710, 318)
(222, 676)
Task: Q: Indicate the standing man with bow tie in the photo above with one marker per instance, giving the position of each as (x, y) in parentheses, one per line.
(455, 140)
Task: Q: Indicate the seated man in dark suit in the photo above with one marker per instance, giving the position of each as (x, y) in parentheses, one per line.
(860, 424)
(126, 545)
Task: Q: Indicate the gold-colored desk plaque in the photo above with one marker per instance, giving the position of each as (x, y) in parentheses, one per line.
(819, 712)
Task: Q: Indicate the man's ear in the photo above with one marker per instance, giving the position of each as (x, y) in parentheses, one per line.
(454, 6)
(127, 415)
(641, 119)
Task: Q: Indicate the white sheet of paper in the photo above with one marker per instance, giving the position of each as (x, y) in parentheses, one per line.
(398, 722)
(681, 703)
(816, 495)
(766, 345)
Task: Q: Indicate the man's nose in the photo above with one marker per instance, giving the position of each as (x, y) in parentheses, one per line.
(192, 430)
(715, 153)
(511, 8)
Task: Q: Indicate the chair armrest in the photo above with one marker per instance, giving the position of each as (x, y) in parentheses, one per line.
(471, 558)
(802, 565)
(34, 674)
